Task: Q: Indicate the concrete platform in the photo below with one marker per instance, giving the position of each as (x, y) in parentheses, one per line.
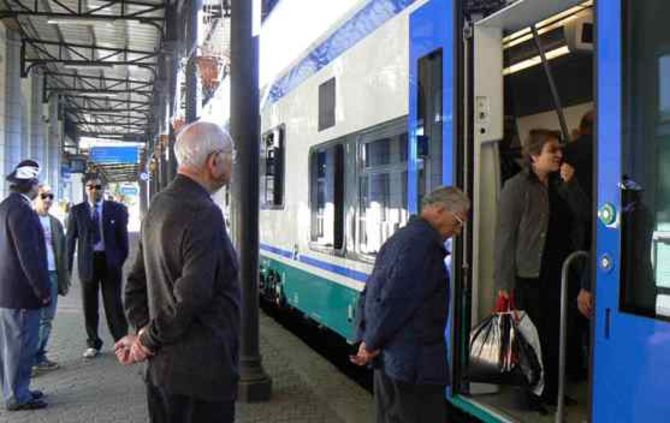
(306, 388)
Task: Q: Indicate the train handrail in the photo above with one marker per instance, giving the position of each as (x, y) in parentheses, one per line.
(560, 411)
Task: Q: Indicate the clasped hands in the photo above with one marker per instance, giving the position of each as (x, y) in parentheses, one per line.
(363, 357)
(129, 350)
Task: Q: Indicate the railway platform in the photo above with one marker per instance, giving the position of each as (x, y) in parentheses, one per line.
(306, 387)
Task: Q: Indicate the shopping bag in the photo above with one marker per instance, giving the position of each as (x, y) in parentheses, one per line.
(505, 350)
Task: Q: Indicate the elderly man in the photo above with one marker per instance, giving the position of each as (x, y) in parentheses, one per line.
(99, 231)
(59, 276)
(403, 313)
(24, 287)
(182, 294)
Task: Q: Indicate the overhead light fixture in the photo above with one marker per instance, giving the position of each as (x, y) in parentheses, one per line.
(88, 65)
(535, 60)
(98, 94)
(80, 20)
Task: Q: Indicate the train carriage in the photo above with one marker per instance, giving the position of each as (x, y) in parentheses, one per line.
(402, 96)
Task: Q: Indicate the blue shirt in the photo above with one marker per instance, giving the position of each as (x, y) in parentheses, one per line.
(100, 246)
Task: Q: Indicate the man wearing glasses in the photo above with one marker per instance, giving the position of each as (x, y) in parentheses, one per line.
(403, 313)
(99, 230)
(59, 277)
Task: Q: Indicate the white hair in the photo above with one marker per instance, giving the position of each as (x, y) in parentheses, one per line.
(197, 140)
(451, 197)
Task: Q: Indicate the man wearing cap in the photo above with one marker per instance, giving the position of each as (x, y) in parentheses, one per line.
(24, 287)
(99, 231)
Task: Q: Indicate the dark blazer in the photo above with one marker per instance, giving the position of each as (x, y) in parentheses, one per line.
(24, 280)
(183, 288)
(60, 253)
(404, 306)
(80, 234)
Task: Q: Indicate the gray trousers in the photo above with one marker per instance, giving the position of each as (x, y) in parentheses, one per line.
(18, 342)
(402, 402)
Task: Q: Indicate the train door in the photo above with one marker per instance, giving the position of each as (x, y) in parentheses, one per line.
(531, 67)
(632, 332)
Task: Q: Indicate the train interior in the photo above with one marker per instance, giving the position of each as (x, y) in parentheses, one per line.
(512, 95)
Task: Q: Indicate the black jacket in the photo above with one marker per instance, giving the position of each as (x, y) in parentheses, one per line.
(114, 233)
(404, 306)
(24, 280)
(183, 287)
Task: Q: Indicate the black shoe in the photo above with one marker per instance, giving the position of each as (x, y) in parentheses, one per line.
(568, 401)
(536, 403)
(34, 404)
(37, 394)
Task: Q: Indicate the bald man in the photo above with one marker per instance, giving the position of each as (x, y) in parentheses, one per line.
(183, 296)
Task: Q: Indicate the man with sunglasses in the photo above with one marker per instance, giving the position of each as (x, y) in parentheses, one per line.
(99, 231)
(59, 276)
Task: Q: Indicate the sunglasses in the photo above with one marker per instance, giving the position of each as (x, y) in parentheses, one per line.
(96, 187)
(45, 196)
(459, 219)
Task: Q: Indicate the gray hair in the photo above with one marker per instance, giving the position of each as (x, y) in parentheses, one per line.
(197, 140)
(451, 197)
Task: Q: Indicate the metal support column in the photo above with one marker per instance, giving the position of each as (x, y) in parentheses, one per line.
(255, 384)
(192, 94)
(144, 198)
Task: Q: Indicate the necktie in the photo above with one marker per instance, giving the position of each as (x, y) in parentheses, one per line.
(96, 226)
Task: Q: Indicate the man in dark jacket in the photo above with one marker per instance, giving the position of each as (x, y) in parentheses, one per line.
(403, 313)
(99, 231)
(24, 287)
(182, 294)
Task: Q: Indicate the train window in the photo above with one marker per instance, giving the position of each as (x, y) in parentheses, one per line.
(645, 221)
(272, 169)
(429, 123)
(382, 180)
(327, 196)
(327, 104)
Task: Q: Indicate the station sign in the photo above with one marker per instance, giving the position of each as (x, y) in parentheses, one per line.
(114, 155)
(129, 190)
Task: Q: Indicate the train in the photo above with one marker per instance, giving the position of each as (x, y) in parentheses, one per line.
(399, 97)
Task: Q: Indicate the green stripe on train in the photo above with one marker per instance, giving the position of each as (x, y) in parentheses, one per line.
(321, 299)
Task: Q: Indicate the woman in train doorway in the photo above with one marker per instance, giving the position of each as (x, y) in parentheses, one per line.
(540, 216)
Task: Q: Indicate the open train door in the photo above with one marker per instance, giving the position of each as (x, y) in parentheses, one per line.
(631, 372)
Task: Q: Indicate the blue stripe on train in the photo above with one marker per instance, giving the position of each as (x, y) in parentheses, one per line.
(359, 26)
(323, 265)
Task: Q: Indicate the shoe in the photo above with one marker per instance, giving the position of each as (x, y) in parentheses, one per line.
(34, 404)
(37, 394)
(90, 353)
(46, 365)
(536, 403)
(568, 401)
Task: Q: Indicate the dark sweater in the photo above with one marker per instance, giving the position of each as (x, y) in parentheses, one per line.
(184, 289)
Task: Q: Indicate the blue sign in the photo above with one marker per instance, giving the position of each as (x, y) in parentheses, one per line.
(114, 155)
(129, 190)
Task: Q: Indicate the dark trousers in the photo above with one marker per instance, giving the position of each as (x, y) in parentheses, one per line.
(110, 280)
(165, 407)
(401, 402)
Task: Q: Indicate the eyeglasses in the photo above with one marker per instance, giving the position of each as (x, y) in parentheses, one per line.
(92, 187)
(459, 219)
(45, 196)
(233, 153)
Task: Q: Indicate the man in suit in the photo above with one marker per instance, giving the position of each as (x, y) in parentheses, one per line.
(59, 276)
(99, 231)
(182, 294)
(403, 313)
(24, 287)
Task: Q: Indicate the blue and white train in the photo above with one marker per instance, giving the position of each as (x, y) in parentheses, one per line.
(402, 96)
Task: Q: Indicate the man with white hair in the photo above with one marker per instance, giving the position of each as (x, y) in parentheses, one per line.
(403, 313)
(24, 287)
(183, 295)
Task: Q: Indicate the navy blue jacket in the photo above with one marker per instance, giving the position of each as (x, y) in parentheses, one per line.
(80, 235)
(403, 308)
(24, 279)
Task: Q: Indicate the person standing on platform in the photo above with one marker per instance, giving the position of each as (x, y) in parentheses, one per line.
(403, 313)
(99, 231)
(183, 295)
(24, 287)
(59, 277)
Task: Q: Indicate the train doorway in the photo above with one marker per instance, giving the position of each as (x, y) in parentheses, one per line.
(531, 68)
